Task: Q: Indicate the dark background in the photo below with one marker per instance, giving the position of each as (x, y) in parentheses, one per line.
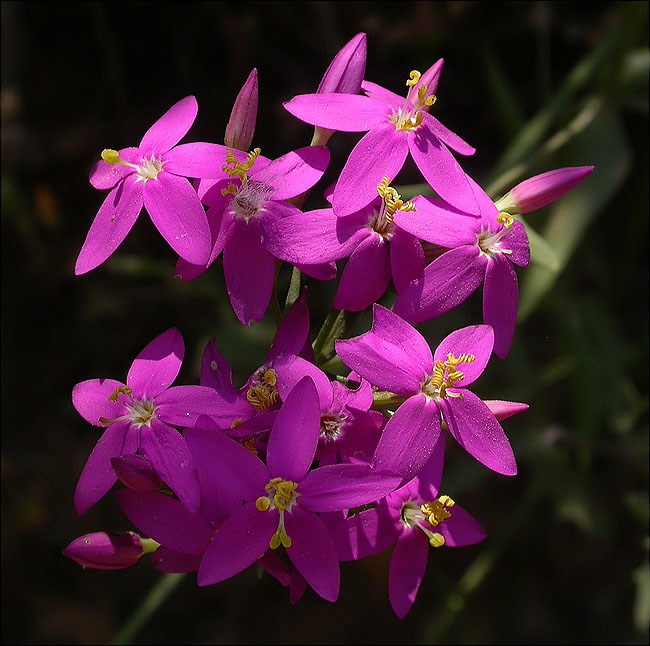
(566, 559)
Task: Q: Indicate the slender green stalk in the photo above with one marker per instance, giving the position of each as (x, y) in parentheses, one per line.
(274, 305)
(156, 597)
(294, 289)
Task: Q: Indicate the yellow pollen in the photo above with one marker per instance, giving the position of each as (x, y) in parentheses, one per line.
(436, 511)
(414, 77)
(506, 219)
(111, 157)
(116, 393)
(231, 189)
(392, 199)
(445, 375)
(263, 503)
(436, 540)
(236, 169)
(264, 394)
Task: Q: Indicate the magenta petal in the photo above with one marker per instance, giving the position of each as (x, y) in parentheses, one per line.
(91, 399)
(379, 92)
(430, 78)
(170, 128)
(476, 429)
(170, 456)
(104, 176)
(406, 571)
(198, 159)
(426, 484)
(345, 72)
(366, 275)
(181, 405)
(449, 138)
(291, 369)
(380, 153)
(364, 534)
(166, 521)
(240, 541)
(295, 172)
(225, 464)
(516, 240)
(343, 486)
(179, 216)
(461, 529)
(157, 365)
(406, 258)
(313, 553)
(409, 437)
(500, 300)
(249, 271)
(504, 409)
(441, 170)
(321, 271)
(345, 112)
(98, 475)
(165, 560)
(444, 284)
(216, 372)
(435, 221)
(114, 220)
(293, 439)
(476, 340)
(243, 117)
(392, 356)
(293, 331)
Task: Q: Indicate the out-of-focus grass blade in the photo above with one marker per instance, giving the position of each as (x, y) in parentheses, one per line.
(604, 144)
(541, 252)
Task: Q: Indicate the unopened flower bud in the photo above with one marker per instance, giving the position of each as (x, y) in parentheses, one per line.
(136, 472)
(241, 125)
(539, 191)
(502, 409)
(108, 550)
(344, 74)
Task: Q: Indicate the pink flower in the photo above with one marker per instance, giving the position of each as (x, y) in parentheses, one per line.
(154, 175)
(282, 498)
(413, 518)
(241, 125)
(108, 550)
(395, 357)
(138, 417)
(395, 126)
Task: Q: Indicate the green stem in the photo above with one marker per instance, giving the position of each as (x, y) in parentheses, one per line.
(294, 289)
(383, 400)
(156, 597)
(324, 333)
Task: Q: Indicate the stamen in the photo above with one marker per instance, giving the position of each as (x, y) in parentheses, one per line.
(392, 199)
(506, 219)
(112, 157)
(240, 169)
(445, 375)
(125, 390)
(414, 77)
(436, 511)
(263, 392)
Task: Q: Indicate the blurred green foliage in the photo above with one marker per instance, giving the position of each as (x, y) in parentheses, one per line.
(534, 86)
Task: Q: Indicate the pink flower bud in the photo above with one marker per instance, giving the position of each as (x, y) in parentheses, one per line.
(539, 191)
(106, 550)
(241, 125)
(502, 410)
(136, 472)
(344, 74)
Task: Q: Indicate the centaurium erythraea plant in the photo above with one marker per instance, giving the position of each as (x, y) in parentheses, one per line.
(301, 468)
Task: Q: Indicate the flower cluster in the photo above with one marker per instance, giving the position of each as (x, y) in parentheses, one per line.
(297, 470)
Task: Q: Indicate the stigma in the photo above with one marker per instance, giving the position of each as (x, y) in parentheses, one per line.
(409, 117)
(332, 426)
(281, 496)
(490, 242)
(446, 375)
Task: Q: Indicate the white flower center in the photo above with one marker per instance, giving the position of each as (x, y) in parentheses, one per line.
(149, 169)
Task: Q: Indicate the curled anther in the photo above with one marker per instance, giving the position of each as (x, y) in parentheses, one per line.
(506, 219)
(414, 77)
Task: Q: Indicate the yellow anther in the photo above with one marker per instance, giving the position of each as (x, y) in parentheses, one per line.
(250, 445)
(270, 377)
(445, 376)
(236, 169)
(116, 393)
(231, 189)
(506, 219)
(436, 511)
(392, 199)
(414, 77)
(264, 393)
(111, 157)
(436, 540)
(236, 422)
(263, 503)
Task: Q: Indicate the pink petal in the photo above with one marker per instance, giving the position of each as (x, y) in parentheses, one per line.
(516, 240)
(291, 369)
(292, 333)
(104, 176)
(406, 258)
(313, 553)
(477, 340)
(170, 456)
(444, 284)
(364, 534)
(500, 300)
(430, 78)
(170, 128)
(216, 372)
(321, 271)
(504, 409)
(181, 405)
(198, 159)
(376, 91)
(243, 117)
(408, 565)
(166, 521)
(476, 429)
(380, 153)
(166, 560)
(441, 170)
(366, 275)
(249, 271)
(427, 482)
(392, 355)
(435, 221)
(114, 220)
(343, 486)
(461, 529)
(293, 439)
(449, 138)
(157, 365)
(91, 399)
(344, 112)
(98, 475)
(179, 216)
(240, 541)
(346, 70)
(409, 437)
(295, 172)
